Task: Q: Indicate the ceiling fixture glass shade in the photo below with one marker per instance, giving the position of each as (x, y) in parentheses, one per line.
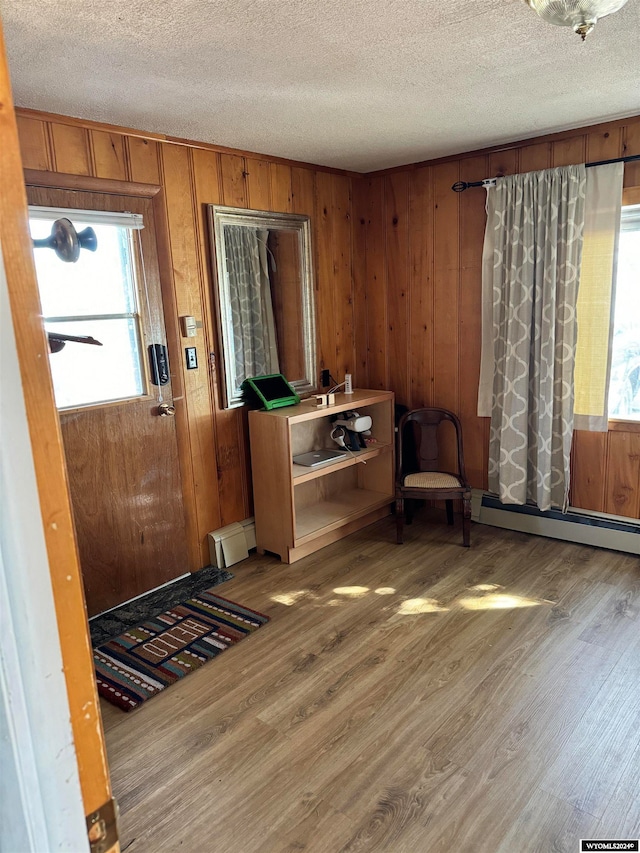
(582, 15)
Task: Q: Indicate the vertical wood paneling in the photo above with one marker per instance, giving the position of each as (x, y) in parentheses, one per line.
(234, 189)
(588, 470)
(445, 284)
(108, 155)
(567, 152)
(71, 149)
(397, 305)
(446, 280)
(303, 197)
(421, 332)
(228, 446)
(398, 290)
(604, 144)
(229, 458)
(623, 474)
(325, 275)
(143, 160)
(630, 146)
(504, 162)
(446, 233)
(280, 179)
(472, 226)
(343, 287)
(259, 184)
(177, 180)
(34, 144)
(303, 192)
(359, 264)
(376, 283)
(535, 157)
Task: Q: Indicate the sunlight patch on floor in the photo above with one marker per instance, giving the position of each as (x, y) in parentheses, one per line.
(289, 598)
(482, 596)
(496, 601)
(352, 591)
(415, 606)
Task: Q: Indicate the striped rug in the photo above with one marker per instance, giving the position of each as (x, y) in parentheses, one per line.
(142, 661)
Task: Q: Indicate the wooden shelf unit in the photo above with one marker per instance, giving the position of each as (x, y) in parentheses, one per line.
(299, 510)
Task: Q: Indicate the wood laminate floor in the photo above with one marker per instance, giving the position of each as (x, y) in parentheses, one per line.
(410, 699)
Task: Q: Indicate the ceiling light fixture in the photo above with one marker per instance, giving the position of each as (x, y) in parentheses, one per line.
(582, 15)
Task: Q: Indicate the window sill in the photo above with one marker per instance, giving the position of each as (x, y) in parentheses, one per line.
(623, 426)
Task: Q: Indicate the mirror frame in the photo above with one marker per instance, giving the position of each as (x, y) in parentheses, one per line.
(218, 217)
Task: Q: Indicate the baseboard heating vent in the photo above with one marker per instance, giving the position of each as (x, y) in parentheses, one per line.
(604, 531)
(232, 543)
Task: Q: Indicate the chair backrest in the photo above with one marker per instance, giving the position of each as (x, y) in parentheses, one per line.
(418, 440)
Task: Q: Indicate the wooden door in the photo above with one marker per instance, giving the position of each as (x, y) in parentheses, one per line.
(122, 458)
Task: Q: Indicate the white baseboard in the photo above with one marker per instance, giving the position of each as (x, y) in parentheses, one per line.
(588, 528)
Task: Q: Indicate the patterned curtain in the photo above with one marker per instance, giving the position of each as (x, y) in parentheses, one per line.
(532, 256)
(253, 326)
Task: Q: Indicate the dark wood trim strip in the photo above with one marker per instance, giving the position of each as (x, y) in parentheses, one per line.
(85, 183)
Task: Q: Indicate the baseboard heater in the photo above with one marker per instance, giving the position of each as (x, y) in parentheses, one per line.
(576, 525)
(232, 543)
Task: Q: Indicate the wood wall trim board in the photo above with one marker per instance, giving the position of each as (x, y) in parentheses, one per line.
(49, 463)
(88, 183)
(516, 144)
(41, 115)
(624, 426)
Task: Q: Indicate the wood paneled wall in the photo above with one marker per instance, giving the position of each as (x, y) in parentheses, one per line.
(398, 286)
(422, 249)
(213, 441)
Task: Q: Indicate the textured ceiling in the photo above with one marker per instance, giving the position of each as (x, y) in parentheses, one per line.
(358, 85)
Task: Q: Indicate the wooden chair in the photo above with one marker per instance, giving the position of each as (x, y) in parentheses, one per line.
(418, 476)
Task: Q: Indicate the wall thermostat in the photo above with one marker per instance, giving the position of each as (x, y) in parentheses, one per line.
(189, 327)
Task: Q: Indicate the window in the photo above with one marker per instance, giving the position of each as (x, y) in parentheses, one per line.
(97, 296)
(624, 387)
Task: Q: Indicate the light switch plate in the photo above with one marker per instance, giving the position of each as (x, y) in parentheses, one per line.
(191, 355)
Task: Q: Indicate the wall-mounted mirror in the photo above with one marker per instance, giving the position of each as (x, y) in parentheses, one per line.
(265, 297)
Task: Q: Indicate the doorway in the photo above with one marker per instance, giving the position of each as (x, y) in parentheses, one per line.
(114, 397)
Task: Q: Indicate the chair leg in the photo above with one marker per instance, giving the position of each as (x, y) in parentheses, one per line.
(409, 507)
(466, 522)
(399, 520)
(449, 512)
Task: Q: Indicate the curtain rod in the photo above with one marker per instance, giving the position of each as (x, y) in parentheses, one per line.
(461, 186)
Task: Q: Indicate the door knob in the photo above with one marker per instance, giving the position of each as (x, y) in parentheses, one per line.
(166, 410)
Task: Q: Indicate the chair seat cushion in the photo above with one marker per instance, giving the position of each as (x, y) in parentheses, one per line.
(432, 480)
